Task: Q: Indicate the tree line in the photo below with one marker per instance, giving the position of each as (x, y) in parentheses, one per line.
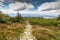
(5, 18)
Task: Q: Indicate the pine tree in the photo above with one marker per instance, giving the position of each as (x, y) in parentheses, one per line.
(18, 17)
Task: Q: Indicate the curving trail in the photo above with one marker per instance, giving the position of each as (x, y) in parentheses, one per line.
(27, 33)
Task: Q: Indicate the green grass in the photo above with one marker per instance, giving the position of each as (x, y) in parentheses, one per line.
(50, 28)
(58, 34)
(44, 22)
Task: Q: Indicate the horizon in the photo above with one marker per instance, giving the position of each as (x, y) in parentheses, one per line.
(33, 15)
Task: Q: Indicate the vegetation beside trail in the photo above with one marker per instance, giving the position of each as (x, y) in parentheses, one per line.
(44, 22)
(45, 29)
(11, 32)
(11, 28)
(5, 18)
(46, 33)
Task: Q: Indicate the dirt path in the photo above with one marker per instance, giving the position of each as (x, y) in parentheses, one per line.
(27, 33)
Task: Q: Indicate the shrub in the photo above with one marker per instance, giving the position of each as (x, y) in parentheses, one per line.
(3, 18)
(58, 18)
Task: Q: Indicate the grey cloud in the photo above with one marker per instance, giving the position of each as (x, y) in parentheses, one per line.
(22, 1)
(57, 0)
(23, 8)
(51, 9)
(26, 1)
(1, 0)
(56, 7)
(17, 1)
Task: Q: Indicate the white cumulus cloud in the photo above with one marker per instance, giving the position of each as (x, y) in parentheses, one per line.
(49, 6)
(20, 6)
(52, 8)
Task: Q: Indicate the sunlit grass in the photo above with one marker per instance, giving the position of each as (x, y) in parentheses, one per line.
(43, 33)
(11, 32)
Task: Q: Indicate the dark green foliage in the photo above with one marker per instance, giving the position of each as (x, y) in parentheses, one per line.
(4, 18)
(58, 17)
(44, 22)
(18, 18)
(12, 19)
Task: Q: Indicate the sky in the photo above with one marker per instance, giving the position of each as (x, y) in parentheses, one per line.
(42, 7)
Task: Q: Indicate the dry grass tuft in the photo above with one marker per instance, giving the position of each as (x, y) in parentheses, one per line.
(43, 33)
(11, 32)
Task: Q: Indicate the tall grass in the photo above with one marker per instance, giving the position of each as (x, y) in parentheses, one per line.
(43, 33)
(11, 32)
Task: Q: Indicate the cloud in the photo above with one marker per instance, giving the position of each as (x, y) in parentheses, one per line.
(8, 0)
(1, 0)
(24, 7)
(58, 0)
(22, 0)
(49, 6)
(20, 6)
(1, 4)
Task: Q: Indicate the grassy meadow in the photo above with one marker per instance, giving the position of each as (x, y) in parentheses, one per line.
(45, 29)
(11, 28)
